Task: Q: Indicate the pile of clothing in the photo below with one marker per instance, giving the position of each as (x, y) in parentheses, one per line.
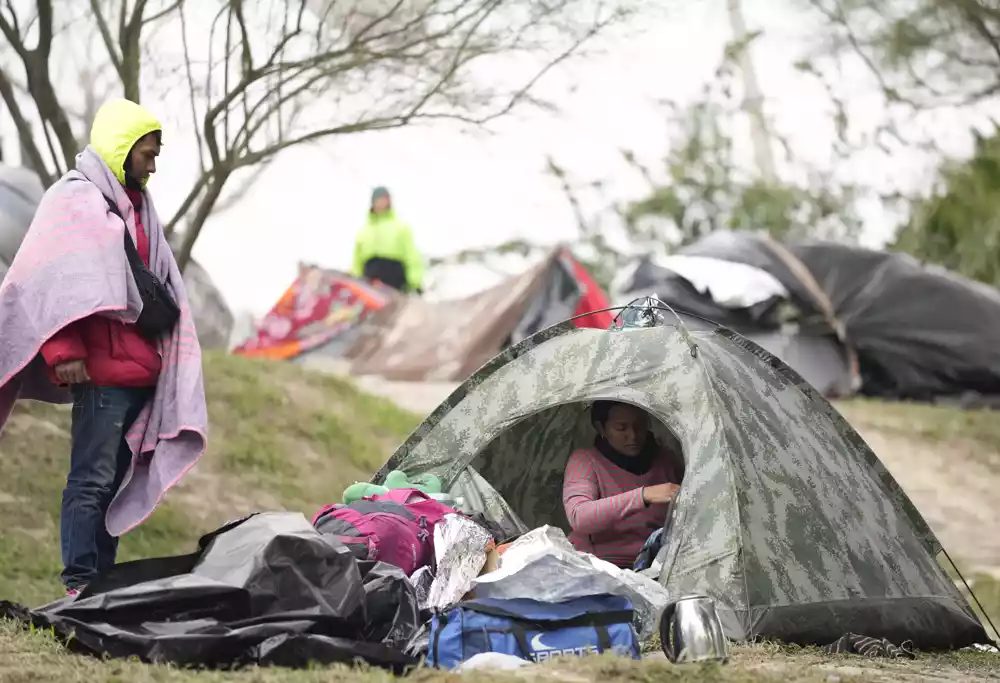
(392, 577)
(536, 596)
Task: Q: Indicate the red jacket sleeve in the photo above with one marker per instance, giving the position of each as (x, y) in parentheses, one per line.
(64, 346)
(586, 511)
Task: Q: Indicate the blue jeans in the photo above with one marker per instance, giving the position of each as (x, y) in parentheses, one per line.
(99, 460)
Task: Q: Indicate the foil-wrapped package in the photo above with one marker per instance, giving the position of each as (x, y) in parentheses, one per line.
(460, 554)
(422, 579)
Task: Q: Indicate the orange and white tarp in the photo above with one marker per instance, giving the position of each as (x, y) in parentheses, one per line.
(319, 306)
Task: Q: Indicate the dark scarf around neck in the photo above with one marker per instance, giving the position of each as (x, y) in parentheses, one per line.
(638, 464)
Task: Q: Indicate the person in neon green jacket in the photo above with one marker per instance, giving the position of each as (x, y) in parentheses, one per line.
(384, 249)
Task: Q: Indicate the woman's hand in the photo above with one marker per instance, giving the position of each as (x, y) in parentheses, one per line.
(661, 493)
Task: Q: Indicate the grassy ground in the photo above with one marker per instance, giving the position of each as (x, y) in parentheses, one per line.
(38, 657)
(285, 439)
(938, 425)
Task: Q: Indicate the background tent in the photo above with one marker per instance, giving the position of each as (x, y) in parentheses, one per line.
(921, 332)
(319, 309)
(20, 193)
(786, 518)
(907, 330)
(328, 315)
(751, 301)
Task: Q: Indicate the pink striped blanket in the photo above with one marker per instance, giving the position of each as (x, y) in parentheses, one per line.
(72, 265)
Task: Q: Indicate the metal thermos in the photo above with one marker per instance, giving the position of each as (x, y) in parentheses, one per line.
(690, 631)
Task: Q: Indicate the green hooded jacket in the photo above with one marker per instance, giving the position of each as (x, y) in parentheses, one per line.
(385, 236)
(118, 125)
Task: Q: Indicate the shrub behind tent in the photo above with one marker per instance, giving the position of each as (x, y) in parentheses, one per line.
(786, 517)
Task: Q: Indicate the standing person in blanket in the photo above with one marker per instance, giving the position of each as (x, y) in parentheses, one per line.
(385, 251)
(617, 492)
(94, 312)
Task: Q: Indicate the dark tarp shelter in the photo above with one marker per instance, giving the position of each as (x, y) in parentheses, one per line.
(675, 290)
(785, 517)
(266, 590)
(920, 332)
(776, 322)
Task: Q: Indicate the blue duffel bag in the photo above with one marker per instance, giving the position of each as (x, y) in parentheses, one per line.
(532, 630)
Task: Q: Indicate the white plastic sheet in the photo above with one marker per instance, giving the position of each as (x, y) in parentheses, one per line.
(493, 661)
(733, 285)
(543, 565)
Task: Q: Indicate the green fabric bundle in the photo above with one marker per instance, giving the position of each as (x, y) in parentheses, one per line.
(397, 479)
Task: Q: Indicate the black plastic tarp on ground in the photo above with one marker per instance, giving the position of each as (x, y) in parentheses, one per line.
(266, 590)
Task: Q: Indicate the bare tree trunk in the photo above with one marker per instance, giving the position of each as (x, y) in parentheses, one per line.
(30, 155)
(753, 99)
(197, 222)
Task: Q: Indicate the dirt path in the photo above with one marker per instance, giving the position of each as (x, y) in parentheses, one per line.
(417, 397)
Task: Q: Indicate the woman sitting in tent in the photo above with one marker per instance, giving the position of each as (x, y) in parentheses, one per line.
(617, 492)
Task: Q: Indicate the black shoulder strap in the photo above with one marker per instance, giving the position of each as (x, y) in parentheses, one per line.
(131, 253)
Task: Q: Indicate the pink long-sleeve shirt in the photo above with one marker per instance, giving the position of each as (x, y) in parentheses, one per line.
(605, 509)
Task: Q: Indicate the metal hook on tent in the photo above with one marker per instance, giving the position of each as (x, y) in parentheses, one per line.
(649, 318)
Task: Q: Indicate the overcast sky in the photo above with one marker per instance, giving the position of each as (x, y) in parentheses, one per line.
(459, 190)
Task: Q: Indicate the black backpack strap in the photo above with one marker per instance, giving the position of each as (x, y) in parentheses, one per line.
(520, 637)
(131, 253)
(603, 638)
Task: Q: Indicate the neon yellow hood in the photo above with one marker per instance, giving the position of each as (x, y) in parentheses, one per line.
(118, 125)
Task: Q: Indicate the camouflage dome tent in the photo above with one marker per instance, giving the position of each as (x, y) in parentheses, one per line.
(786, 517)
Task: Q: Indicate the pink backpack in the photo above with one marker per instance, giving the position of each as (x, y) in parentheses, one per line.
(396, 527)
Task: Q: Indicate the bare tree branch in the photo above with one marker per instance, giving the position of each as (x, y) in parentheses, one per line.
(924, 54)
(192, 91)
(274, 74)
(235, 196)
(163, 13)
(39, 84)
(35, 160)
(105, 31)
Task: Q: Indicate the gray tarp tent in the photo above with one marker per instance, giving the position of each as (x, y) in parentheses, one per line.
(20, 192)
(786, 517)
(920, 332)
(776, 323)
